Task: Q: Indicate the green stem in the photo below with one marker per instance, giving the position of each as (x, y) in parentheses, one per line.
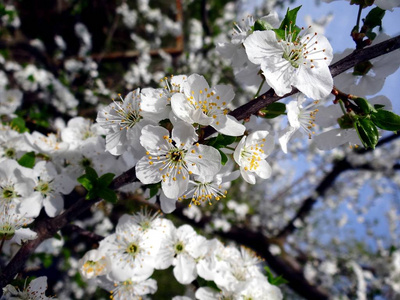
(342, 106)
(259, 89)
(360, 8)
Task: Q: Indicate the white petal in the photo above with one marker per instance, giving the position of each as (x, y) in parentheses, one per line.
(248, 176)
(261, 45)
(264, 169)
(167, 205)
(330, 139)
(285, 136)
(228, 125)
(54, 205)
(152, 138)
(185, 269)
(315, 83)
(174, 188)
(147, 173)
(182, 108)
(184, 135)
(205, 161)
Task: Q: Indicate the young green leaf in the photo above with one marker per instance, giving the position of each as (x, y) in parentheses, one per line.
(274, 280)
(106, 179)
(364, 105)
(289, 24)
(273, 110)
(18, 124)
(386, 120)
(367, 132)
(108, 194)
(224, 158)
(27, 160)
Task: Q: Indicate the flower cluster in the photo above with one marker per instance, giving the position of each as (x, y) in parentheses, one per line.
(166, 122)
(142, 243)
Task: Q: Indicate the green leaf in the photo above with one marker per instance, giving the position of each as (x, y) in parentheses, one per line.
(221, 141)
(372, 20)
(290, 18)
(18, 124)
(224, 158)
(367, 132)
(364, 105)
(154, 188)
(91, 174)
(280, 33)
(27, 160)
(362, 68)
(86, 183)
(108, 194)
(289, 23)
(274, 280)
(106, 179)
(378, 106)
(260, 25)
(345, 122)
(386, 120)
(273, 110)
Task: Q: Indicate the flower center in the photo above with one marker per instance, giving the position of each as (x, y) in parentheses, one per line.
(252, 156)
(85, 162)
(9, 193)
(132, 249)
(43, 187)
(179, 247)
(10, 152)
(293, 56)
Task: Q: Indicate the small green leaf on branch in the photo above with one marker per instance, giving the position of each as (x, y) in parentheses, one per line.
(367, 132)
(273, 110)
(386, 120)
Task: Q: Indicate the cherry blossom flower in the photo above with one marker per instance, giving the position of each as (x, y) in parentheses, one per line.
(132, 251)
(173, 160)
(250, 155)
(182, 249)
(16, 183)
(123, 121)
(129, 289)
(79, 131)
(298, 117)
(12, 226)
(94, 263)
(245, 71)
(207, 188)
(203, 105)
(34, 291)
(302, 63)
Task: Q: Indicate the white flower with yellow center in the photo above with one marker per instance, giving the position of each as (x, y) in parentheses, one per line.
(250, 155)
(94, 263)
(172, 160)
(129, 289)
(301, 63)
(299, 117)
(132, 251)
(207, 188)
(123, 121)
(200, 104)
(34, 291)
